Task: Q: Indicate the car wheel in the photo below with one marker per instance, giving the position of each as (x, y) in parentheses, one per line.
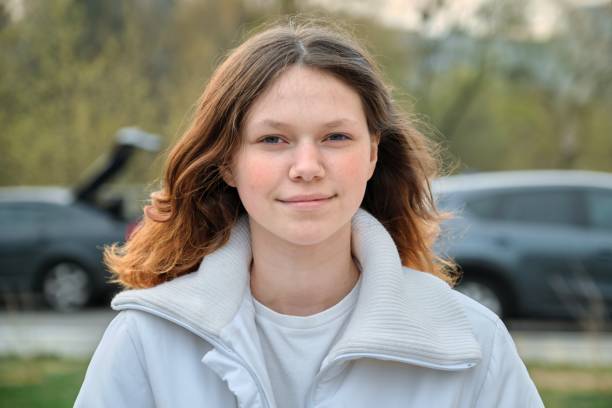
(67, 286)
(485, 293)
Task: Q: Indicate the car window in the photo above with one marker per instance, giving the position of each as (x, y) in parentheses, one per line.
(541, 207)
(599, 204)
(12, 215)
(75, 213)
(484, 206)
(49, 212)
(448, 202)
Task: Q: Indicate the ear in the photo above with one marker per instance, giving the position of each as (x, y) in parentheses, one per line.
(228, 177)
(373, 154)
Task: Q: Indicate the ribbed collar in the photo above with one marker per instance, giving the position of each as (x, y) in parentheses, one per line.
(400, 314)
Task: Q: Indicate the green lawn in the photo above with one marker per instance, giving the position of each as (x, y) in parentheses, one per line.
(570, 386)
(44, 381)
(51, 382)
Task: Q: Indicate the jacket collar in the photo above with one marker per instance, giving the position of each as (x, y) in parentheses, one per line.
(401, 314)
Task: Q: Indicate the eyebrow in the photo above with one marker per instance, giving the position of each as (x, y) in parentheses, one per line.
(281, 125)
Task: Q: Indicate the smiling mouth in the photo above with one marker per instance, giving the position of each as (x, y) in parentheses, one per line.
(307, 199)
(308, 203)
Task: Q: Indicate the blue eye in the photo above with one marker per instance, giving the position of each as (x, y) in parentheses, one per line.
(334, 136)
(271, 139)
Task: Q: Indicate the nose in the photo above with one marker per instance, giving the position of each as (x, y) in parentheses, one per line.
(307, 163)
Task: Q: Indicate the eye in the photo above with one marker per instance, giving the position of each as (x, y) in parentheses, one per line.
(271, 140)
(338, 137)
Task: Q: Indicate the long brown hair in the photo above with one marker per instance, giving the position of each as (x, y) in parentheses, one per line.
(195, 210)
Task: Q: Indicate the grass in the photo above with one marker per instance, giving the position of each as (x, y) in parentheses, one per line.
(573, 386)
(51, 382)
(43, 381)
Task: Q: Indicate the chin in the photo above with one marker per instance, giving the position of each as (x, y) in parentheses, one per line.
(305, 236)
(308, 235)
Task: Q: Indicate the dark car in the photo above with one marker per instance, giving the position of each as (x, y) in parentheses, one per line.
(51, 239)
(50, 247)
(532, 243)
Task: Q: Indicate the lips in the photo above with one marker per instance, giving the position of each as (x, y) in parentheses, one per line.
(307, 198)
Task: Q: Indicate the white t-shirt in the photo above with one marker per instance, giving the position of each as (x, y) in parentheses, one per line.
(295, 346)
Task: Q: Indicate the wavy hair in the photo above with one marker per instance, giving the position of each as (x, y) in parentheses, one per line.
(195, 210)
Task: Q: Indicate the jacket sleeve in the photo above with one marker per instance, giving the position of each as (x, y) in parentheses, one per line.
(116, 376)
(507, 383)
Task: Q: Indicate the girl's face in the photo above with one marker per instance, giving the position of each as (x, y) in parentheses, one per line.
(306, 157)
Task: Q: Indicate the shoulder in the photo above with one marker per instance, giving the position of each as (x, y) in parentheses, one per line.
(135, 322)
(501, 376)
(507, 382)
(483, 320)
(475, 311)
(484, 323)
(149, 332)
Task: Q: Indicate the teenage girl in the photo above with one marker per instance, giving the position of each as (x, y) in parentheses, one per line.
(288, 259)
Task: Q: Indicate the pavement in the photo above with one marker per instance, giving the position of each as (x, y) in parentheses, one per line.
(74, 334)
(77, 334)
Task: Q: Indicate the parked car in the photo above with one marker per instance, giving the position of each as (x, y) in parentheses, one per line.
(532, 243)
(51, 238)
(50, 246)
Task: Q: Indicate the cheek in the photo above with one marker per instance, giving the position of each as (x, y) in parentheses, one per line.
(353, 169)
(256, 176)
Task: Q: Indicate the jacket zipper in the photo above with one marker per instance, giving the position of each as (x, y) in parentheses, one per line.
(378, 356)
(212, 339)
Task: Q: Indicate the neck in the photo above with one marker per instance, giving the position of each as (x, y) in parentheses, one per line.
(302, 280)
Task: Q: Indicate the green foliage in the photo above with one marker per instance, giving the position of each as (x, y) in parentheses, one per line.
(61, 109)
(63, 96)
(75, 71)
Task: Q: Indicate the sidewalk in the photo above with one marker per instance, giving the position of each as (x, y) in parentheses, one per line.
(68, 335)
(77, 335)
(572, 348)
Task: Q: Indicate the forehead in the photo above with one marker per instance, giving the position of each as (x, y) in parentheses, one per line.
(301, 91)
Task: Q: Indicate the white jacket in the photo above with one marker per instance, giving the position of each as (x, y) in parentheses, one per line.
(411, 341)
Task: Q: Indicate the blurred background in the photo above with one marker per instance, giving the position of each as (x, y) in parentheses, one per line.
(518, 93)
